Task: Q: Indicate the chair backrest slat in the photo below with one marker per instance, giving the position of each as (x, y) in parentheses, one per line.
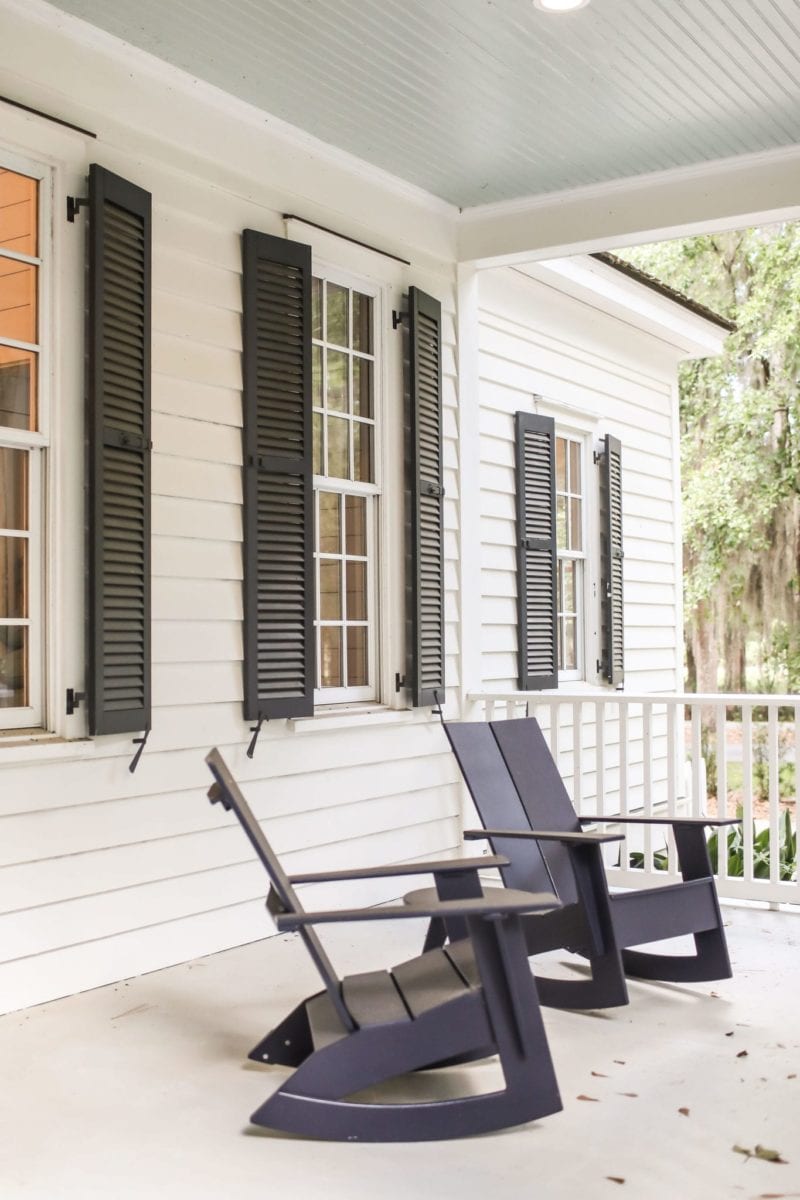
(541, 792)
(496, 799)
(280, 881)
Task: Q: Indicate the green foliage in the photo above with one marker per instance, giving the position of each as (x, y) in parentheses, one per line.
(740, 427)
(787, 852)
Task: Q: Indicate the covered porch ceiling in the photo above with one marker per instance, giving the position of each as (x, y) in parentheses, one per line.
(542, 132)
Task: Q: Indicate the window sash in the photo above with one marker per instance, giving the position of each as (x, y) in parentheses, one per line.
(579, 557)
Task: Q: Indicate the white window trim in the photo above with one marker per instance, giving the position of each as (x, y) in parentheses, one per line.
(33, 715)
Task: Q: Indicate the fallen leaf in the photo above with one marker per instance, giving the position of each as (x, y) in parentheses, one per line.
(684, 1112)
(769, 1155)
(594, 1098)
(792, 1076)
(615, 1178)
(633, 1095)
(742, 1054)
(729, 1034)
(742, 1150)
(714, 994)
(599, 1075)
(621, 1061)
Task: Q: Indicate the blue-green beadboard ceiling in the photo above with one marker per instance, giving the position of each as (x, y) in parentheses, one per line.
(485, 100)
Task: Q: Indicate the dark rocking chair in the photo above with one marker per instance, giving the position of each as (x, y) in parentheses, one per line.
(446, 1006)
(528, 816)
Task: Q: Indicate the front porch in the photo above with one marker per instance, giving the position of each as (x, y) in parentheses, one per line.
(141, 1089)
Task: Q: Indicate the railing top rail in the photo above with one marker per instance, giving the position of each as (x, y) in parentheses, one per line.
(729, 699)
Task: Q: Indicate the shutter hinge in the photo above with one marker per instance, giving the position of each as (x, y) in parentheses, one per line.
(74, 206)
(599, 458)
(74, 700)
(398, 318)
(141, 743)
(399, 682)
(432, 489)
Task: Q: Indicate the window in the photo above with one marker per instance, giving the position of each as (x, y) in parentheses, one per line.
(21, 445)
(346, 489)
(570, 543)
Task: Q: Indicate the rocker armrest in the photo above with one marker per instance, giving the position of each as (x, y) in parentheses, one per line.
(506, 900)
(545, 835)
(609, 820)
(445, 867)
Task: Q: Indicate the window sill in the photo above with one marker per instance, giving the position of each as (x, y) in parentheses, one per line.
(36, 745)
(345, 716)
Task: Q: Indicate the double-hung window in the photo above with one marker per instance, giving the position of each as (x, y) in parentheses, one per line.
(571, 556)
(346, 488)
(22, 443)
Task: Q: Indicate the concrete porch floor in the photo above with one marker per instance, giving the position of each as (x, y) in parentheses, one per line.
(141, 1089)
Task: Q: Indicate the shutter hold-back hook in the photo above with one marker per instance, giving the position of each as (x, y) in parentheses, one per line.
(438, 705)
(255, 730)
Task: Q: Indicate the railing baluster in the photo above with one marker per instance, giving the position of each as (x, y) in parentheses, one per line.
(747, 789)
(773, 765)
(697, 758)
(600, 757)
(647, 780)
(488, 710)
(624, 755)
(796, 756)
(672, 789)
(722, 791)
(554, 723)
(577, 755)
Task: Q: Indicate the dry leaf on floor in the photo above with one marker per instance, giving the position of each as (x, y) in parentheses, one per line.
(742, 1054)
(621, 1061)
(615, 1178)
(633, 1095)
(729, 1034)
(599, 1075)
(768, 1155)
(684, 1112)
(594, 1098)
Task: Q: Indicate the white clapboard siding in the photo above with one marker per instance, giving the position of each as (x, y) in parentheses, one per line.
(599, 372)
(104, 874)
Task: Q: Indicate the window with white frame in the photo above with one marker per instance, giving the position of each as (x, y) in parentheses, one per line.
(571, 553)
(346, 487)
(22, 442)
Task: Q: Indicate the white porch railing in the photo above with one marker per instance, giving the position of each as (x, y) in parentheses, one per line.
(674, 755)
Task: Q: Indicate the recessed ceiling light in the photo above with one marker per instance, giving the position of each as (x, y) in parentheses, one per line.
(559, 5)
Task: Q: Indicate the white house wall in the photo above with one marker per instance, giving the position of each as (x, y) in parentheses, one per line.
(544, 350)
(104, 874)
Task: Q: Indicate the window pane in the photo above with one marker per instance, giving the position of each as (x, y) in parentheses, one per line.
(18, 213)
(356, 591)
(316, 376)
(13, 489)
(362, 452)
(13, 577)
(316, 308)
(17, 388)
(570, 662)
(576, 539)
(568, 588)
(337, 380)
(317, 444)
(330, 538)
(330, 591)
(355, 525)
(330, 656)
(574, 467)
(561, 522)
(18, 283)
(357, 656)
(362, 323)
(362, 387)
(13, 666)
(337, 315)
(561, 464)
(338, 457)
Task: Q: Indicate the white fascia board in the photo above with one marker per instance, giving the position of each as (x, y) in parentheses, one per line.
(135, 102)
(593, 282)
(729, 193)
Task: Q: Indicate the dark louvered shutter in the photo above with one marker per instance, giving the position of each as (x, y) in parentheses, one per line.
(612, 661)
(118, 434)
(425, 491)
(536, 551)
(278, 505)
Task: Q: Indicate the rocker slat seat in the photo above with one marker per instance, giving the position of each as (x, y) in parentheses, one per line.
(372, 1026)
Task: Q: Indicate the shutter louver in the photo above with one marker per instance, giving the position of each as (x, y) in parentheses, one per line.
(278, 507)
(425, 665)
(536, 552)
(118, 433)
(612, 623)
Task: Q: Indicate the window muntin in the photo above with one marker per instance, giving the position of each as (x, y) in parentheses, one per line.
(570, 541)
(20, 447)
(346, 491)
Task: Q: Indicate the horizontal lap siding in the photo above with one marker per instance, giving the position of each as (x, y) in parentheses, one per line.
(104, 874)
(533, 341)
